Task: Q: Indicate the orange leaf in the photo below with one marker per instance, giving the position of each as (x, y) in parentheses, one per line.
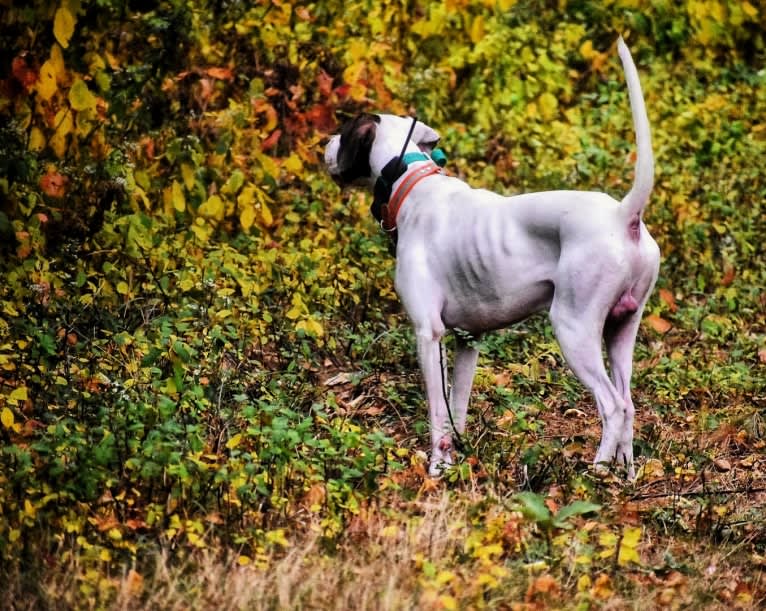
(669, 299)
(23, 73)
(303, 13)
(222, 74)
(206, 86)
(54, 184)
(321, 117)
(272, 140)
(545, 584)
(324, 81)
(135, 524)
(762, 355)
(658, 323)
(728, 274)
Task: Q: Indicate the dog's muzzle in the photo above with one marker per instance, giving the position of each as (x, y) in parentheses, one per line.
(331, 159)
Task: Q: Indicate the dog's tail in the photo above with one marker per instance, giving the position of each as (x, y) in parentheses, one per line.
(638, 196)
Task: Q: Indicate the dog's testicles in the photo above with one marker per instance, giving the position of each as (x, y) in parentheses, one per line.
(625, 305)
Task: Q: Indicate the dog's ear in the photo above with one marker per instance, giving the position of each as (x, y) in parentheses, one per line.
(356, 141)
(425, 137)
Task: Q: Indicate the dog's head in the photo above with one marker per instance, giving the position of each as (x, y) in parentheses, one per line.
(357, 155)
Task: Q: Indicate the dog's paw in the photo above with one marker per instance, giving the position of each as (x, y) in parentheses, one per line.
(437, 468)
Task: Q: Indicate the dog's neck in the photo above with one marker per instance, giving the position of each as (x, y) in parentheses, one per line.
(393, 171)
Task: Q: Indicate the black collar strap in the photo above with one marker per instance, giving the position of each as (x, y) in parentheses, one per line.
(391, 172)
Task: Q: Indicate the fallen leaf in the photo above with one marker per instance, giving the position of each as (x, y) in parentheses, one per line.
(651, 470)
(659, 324)
(728, 274)
(545, 584)
(722, 464)
(669, 299)
(134, 583)
(602, 588)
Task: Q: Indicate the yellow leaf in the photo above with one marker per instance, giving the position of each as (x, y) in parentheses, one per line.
(477, 29)
(266, 217)
(179, 199)
(46, 81)
(201, 230)
(651, 470)
(63, 26)
(57, 63)
(123, 288)
(277, 537)
(80, 96)
(234, 441)
(583, 583)
(213, 208)
(548, 105)
(749, 10)
(608, 541)
(19, 395)
(64, 125)
(36, 139)
(487, 580)
(448, 602)
(247, 217)
(294, 312)
(629, 547)
(247, 196)
(293, 164)
(298, 307)
(6, 417)
(586, 50)
(196, 540)
(29, 509)
(187, 173)
(310, 326)
(140, 195)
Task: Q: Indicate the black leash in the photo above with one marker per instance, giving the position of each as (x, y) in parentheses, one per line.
(460, 444)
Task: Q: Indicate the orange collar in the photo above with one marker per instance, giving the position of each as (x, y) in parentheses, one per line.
(408, 182)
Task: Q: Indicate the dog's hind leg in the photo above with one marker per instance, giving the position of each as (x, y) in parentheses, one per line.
(581, 345)
(620, 339)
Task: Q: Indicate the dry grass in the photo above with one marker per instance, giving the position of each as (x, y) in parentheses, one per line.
(414, 555)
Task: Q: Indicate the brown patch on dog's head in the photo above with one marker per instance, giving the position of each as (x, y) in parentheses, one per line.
(356, 138)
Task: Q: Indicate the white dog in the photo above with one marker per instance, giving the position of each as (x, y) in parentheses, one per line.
(473, 260)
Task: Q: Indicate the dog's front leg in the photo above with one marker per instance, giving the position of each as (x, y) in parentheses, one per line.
(433, 363)
(434, 367)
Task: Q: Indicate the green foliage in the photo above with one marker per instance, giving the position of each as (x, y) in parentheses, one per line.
(200, 346)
